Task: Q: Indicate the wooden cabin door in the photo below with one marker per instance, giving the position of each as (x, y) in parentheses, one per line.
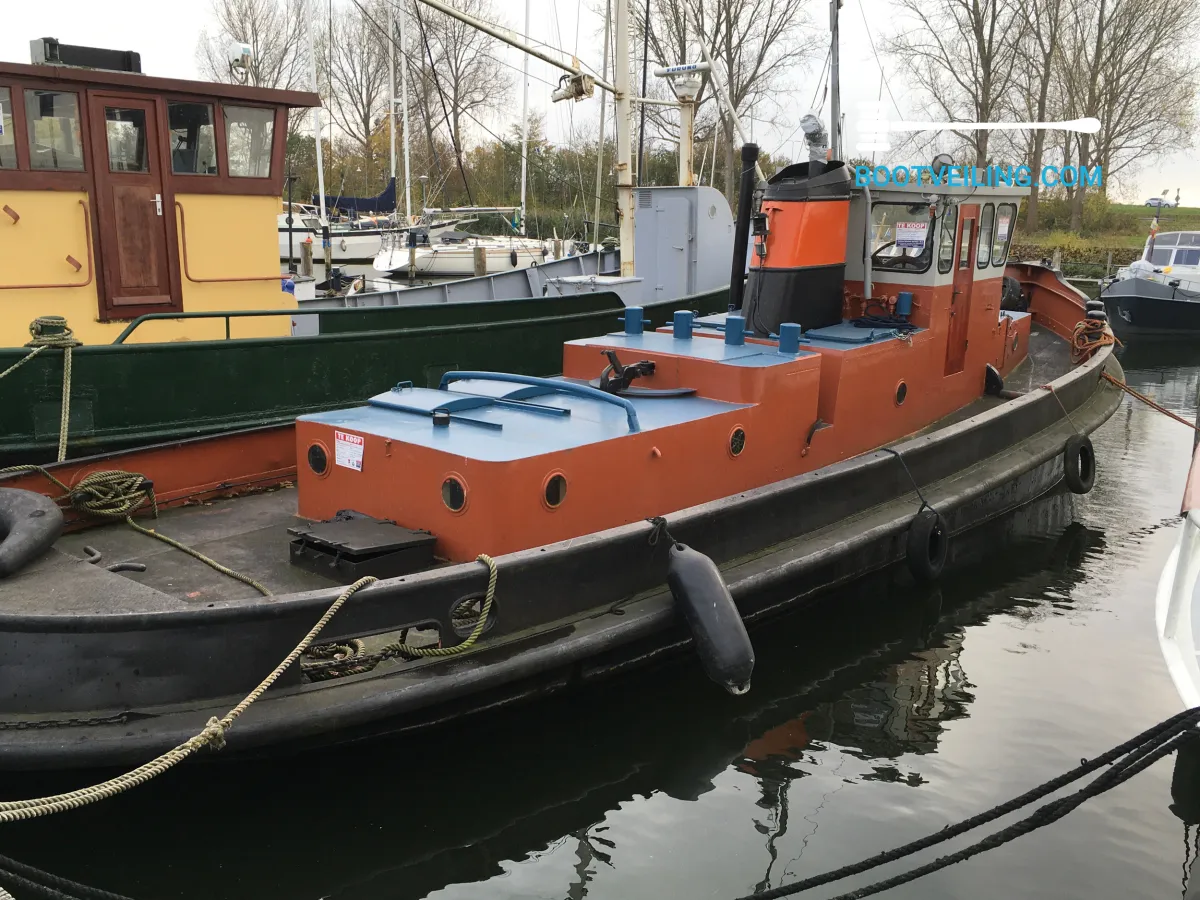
(960, 297)
(135, 218)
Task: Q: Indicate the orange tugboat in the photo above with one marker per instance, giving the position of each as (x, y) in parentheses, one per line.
(861, 408)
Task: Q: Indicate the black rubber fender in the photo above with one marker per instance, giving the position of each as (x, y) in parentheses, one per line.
(928, 545)
(1079, 464)
(717, 628)
(29, 524)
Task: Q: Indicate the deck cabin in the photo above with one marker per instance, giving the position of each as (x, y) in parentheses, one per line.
(123, 194)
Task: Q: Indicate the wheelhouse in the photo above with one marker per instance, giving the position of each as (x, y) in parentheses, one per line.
(123, 194)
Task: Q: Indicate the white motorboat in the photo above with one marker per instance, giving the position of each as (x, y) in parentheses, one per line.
(353, 242)
(454, 253)
(1175, 617)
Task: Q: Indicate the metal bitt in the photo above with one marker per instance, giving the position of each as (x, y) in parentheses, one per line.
(741, 234)
(789, 338)
(635, 322)
(735, 331)
(683, 325)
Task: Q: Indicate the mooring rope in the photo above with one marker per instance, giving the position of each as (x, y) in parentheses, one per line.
(116, 494)
(47, 332)
(357, 662)
(33, 882)
(1127, 760)
(213, 734)
(1151, 403)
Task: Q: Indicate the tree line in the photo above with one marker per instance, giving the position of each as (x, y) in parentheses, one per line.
(1129, 63)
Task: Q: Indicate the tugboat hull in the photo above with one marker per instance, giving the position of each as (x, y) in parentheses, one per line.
(115, 678)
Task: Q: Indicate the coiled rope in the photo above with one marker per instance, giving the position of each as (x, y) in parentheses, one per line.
(1088, 337)
(116, 494)
(212, 735)
(47, 332)
(1126, 760)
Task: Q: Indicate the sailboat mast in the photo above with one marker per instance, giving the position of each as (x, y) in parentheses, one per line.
(406, 136)
(312, 77)
(603, 109)
(624, 145)
(524, 121)
(392, 101)
(835, 105)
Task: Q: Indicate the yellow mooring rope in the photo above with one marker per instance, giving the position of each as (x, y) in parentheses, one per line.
(213, 734)
(52, 331)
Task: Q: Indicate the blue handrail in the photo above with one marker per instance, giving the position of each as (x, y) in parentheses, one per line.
(551, 385)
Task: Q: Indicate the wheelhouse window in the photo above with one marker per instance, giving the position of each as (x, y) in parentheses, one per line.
(1160, 256)
(8, 140)
(126, 132)
(1006, 216)
(1187, 257)
(193, 138)
(901, 236)
(964, 249)
(946, 239)
(248, 136)
(987, 225)
(55, 142)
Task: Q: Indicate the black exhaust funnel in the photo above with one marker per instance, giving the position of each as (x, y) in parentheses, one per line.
(741, 234)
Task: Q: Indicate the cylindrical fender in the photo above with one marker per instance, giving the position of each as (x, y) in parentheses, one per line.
(1079, 464)
(716, 625)
(928, 545)
(29, 524)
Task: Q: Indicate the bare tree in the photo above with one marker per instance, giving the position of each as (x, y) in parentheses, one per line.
(1131, 67)
(274, 29)
(354, 61)
(1038, 62)
(758, 42)
(961, 55)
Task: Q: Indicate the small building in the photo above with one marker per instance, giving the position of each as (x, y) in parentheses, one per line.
(123, 194)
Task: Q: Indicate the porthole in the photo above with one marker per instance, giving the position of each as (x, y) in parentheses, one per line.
(454, 493)
(737, 441)
(318, 458)
(901, 393)
(554, 490)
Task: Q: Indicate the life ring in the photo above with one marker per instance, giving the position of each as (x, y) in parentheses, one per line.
(928, 545)
(1079, 464)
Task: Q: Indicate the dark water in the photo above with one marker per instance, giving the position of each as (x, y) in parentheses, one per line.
(874, 719)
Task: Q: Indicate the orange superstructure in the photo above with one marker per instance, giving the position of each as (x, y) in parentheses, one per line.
(704, 409)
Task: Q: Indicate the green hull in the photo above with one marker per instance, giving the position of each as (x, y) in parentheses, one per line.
(126, 395)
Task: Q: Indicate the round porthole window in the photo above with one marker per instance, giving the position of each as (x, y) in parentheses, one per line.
(318, 459)
(554, 490)
(454, 493)
(901, 393)
(737, 441)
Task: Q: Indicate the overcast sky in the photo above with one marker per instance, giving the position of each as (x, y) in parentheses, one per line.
(165, 34)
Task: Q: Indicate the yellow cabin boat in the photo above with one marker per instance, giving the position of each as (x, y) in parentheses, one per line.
(123, 194)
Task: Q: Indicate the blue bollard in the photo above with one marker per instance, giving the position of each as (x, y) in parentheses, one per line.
(789, 338)
(634, 323)
(683, 324)
(735, 331)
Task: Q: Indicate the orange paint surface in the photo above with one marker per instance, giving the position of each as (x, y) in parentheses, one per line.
(804, 233)
(182, 472)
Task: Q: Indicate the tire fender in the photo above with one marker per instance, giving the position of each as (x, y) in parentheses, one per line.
(1079, 464)
(928, 545)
